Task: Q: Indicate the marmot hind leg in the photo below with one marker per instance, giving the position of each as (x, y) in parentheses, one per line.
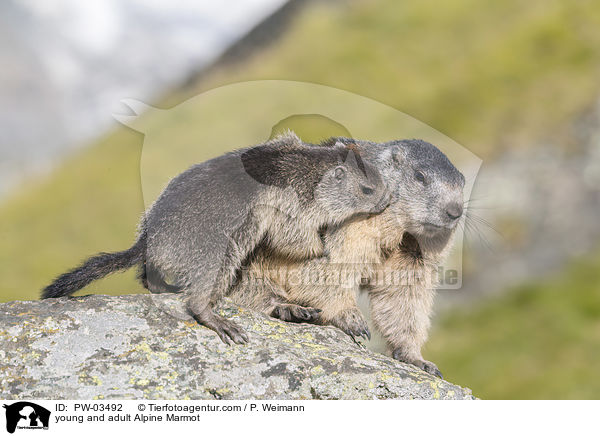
(294, 313)
(265, 296)
(279, 306)
(154, 281)
(242, 242)
(335, 305)
(202, 311)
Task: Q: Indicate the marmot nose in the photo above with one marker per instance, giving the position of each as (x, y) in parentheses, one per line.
(454, 211)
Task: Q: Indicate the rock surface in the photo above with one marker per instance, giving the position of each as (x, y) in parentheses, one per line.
(145, 346)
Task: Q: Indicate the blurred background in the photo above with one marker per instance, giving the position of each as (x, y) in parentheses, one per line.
(516, 83)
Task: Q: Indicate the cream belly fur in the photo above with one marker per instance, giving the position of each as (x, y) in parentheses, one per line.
(362, 252)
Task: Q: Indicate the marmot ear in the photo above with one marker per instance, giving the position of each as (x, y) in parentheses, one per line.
(353, 160)
(397, 156)
(263, 165)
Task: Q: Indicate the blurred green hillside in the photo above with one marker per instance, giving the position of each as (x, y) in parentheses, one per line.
(490, 75)
(539, 341)
(487, 74)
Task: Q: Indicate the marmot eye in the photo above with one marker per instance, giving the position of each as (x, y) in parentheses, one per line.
(420, 177)
(366, 190)
(340, 173)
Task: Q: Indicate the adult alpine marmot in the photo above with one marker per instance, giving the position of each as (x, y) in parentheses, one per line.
(395, 254)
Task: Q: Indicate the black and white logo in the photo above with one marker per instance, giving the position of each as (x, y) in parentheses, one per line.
(26, 415)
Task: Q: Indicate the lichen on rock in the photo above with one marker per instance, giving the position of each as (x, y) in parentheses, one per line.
(147, 347)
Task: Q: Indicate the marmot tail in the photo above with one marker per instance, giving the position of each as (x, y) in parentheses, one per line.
(95, 268)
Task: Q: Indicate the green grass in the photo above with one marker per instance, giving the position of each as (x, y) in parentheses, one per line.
(91, 204)
(540, 341)
(487, 74)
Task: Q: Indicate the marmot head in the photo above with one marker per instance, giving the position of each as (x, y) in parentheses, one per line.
(427, 190)
(351, 187)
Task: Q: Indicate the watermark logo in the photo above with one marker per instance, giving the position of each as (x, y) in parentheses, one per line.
(24, 415)
(249, 113)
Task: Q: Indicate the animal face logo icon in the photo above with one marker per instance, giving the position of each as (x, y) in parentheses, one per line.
(24, 414)
(246, 113)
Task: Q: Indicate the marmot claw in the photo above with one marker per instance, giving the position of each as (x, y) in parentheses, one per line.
(296, 313)
(352, 323)
(230, 332)
(425, 365)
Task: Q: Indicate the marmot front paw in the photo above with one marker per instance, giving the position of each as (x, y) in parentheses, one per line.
(425, 365)
(352, 323)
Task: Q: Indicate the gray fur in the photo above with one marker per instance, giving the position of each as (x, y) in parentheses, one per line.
(212, 217)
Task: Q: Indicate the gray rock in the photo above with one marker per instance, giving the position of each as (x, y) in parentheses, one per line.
(145, 346)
